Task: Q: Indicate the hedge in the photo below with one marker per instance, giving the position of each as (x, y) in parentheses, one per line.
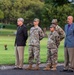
(8, 26)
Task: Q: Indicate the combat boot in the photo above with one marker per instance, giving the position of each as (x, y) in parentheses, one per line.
(48, 66)
(54, 67)
(36, 67)
(29, 67)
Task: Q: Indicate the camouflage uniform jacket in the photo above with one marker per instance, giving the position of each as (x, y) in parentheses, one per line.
(36, 34)
(60, 32)
(53, 40)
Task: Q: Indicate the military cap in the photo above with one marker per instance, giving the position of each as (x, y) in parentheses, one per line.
(52, 26)
(54, 21)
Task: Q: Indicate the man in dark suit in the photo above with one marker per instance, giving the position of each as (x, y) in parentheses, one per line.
(69, 45)
(20, 42)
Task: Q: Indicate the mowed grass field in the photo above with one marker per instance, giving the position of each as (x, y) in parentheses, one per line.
(8, 56)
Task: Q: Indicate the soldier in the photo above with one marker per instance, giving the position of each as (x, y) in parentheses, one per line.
(59, 29)
(52, 46)
(36, 34)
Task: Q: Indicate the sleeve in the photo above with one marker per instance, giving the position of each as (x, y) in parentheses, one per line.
(25, 33)
(73, 31)
(41, 34)
(61, 34)
(57, 38)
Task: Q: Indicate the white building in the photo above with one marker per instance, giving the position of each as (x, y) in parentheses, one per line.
(72, 1)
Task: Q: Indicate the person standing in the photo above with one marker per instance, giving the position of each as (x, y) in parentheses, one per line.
(52, 46)
(59, 29)
(69, 45)
(36, 34)
(20, 42)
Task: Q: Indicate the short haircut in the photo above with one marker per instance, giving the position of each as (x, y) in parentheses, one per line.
(20, 19)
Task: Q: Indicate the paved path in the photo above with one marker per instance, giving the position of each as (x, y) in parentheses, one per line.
(8, 70)
(5, 67)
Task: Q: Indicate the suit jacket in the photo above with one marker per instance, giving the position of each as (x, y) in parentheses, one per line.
(21, 36)
(69, 39)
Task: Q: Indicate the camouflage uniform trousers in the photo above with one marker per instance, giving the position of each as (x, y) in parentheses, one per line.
(34, 53)
(52, 55)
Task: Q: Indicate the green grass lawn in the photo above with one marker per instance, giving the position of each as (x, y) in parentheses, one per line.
(8, 56)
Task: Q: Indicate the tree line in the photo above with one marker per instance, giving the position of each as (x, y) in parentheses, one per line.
(45, 10)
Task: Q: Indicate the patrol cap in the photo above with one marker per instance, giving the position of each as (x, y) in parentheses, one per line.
(52, 26)
(36, 19)
(20, 19)
(54, 21)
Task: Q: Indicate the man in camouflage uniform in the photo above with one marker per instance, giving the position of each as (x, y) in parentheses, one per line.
(52, 45)
(59, 29)
(36, 34)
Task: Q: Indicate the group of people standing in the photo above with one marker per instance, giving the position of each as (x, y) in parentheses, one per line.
(56, 35)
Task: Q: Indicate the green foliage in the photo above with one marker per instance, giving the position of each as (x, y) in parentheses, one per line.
(60, 2)
(48, 1)
(45, 10)
(1, 14)
(13, 9)
(59, 12)
(63, 12)
(5, 6)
